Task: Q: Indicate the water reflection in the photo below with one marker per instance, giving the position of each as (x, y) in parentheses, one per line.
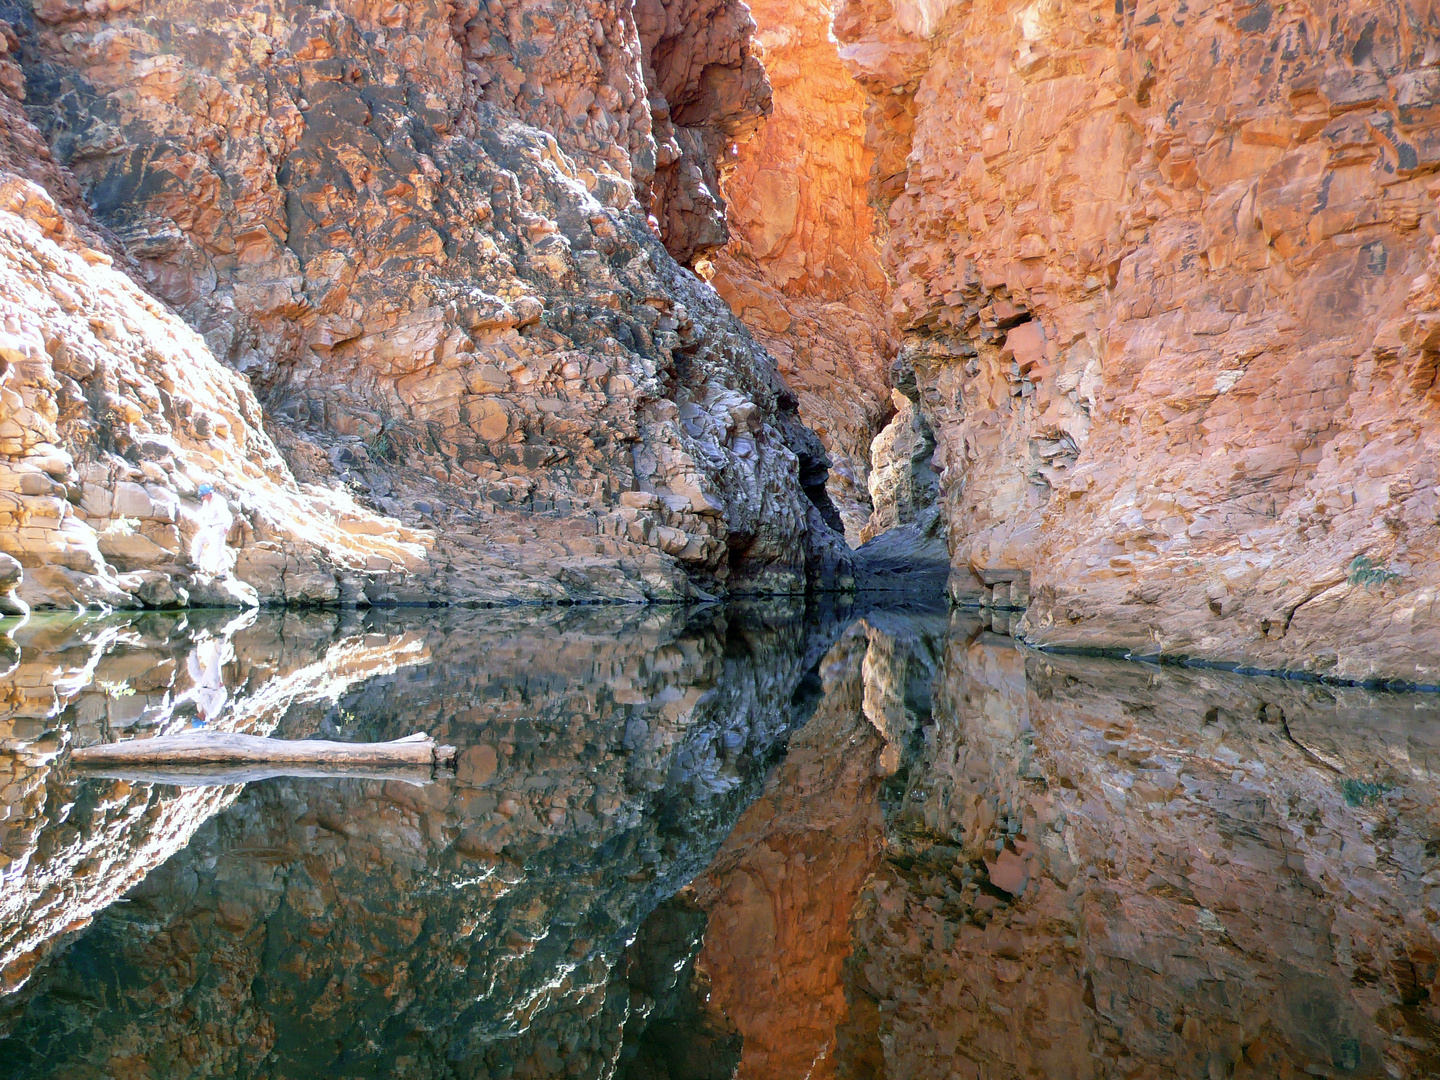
(1085, 868)
(754, 840)
(473, 926)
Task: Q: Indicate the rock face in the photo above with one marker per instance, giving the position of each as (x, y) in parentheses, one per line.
(1166, 281)
(420, 231)
(802, 270)
(114, 414)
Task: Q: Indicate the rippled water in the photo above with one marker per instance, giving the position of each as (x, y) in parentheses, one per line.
(757, 840)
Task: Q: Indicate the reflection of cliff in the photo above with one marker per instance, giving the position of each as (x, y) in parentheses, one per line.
(983, 862)
(1093, 867)
(780, 892)
(367, 928)
(68, 847)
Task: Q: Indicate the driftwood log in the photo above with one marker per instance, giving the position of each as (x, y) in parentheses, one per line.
(224, 758)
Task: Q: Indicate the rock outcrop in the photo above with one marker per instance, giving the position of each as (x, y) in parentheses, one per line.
(803, 271)
(1165, 277)
(420, 232)
(114, 414)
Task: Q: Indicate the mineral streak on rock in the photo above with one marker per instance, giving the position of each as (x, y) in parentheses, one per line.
(802, 269)
(420, 232)
(1165, 277)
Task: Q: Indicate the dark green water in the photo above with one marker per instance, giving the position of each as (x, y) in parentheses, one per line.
(761, 840)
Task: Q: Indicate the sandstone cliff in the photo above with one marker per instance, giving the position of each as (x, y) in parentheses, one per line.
(430, 236)
(1166, 280)
(802, 269)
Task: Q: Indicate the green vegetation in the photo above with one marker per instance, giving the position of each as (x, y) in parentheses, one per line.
(1366, 571)
(390, 437)
(1364, 792)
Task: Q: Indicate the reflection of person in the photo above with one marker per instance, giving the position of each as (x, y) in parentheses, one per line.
(208, 551)
(206, 667)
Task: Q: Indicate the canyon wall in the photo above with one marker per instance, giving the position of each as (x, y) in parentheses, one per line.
(802, 269)
(433, 237)
(1165, 277)
(113, 412)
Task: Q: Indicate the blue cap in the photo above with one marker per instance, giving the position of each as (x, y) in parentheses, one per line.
(207, 489)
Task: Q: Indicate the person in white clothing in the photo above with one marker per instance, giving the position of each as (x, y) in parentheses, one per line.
(208, 550)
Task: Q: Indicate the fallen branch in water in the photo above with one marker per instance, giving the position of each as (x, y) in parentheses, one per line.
(221, 775)
(227, 758)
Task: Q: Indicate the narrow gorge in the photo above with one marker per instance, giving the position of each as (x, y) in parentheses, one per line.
(440, 296)
(919, 518)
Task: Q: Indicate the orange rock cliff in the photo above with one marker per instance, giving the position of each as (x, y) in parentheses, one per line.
(432, 238)
(1164, 276)
(423, 290)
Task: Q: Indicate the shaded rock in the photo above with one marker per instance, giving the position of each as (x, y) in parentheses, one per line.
(10, 574)
(422, 236)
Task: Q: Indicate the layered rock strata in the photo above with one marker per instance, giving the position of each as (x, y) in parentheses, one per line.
(420, 231)
(802, 269)
(1165, 277)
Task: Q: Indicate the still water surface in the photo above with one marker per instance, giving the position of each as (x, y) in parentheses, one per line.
(757, 840)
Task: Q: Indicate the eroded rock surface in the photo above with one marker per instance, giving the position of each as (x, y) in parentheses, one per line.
(802, 270)
(1165, 277)
(114, 413)
(420, 232)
